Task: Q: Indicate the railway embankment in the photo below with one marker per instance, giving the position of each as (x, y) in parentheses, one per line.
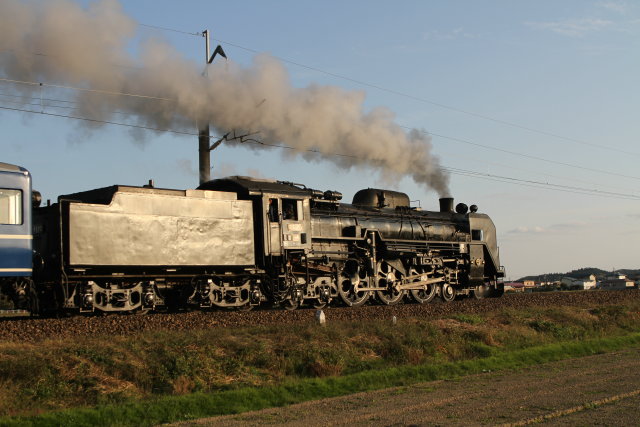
(167, 367)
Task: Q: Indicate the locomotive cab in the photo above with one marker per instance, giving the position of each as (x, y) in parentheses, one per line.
(286, 222)
(282, 211)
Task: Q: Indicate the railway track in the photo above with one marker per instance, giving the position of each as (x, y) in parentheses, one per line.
(35, 329)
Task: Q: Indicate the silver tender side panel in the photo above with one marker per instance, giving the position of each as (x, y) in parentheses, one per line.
(137, 229)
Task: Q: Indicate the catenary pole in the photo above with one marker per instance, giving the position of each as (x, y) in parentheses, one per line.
(204, 151)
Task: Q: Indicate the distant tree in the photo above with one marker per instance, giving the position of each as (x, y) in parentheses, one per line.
(581, 273)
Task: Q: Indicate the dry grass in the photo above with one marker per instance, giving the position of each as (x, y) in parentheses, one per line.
(58, 374)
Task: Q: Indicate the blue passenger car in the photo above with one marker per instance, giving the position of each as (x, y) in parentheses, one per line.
(16, 238)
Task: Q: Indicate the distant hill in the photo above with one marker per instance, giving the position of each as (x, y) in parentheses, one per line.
(582, 273)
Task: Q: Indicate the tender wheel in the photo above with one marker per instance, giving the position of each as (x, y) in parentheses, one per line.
(387, 277)
(352, 275)
(447, 292)
(34, 301)
(318, 304)
(290, 304)
(245, 307)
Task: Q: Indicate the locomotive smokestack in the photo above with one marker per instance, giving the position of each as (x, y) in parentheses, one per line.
(446, 204)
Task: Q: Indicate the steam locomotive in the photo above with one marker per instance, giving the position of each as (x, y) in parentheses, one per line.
(236, 242)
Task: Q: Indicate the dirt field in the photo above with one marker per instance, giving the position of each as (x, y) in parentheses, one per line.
(596, 390)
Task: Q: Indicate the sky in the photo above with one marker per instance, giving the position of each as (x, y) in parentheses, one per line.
(531, 108)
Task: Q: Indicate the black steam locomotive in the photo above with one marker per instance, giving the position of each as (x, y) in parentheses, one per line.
(240, 242)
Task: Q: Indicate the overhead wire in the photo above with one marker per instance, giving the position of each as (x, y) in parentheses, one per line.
(434, 103)
(395, 92)
(84, 89)
(170, 29)
(177, 132)
(455, 139)
(528, 156)
(468, 173)
(459, 155)
(542, 183)
(455, 171)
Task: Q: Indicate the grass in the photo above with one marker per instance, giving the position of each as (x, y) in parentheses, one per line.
(197, 405)
(169, 376)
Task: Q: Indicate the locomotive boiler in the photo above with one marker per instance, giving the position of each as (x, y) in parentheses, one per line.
(240, 242)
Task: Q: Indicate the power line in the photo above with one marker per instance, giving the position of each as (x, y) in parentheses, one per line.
(43, 104)
(528, 156)
(541, 183)
(464, 141)
(458, 155)
(103, 121)
(171, 29)
(436, 104)
(100, 91)
(537, 184)
(398, 93)
(47, 55)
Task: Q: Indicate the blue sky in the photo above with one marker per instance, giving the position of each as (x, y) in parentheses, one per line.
(548, 88)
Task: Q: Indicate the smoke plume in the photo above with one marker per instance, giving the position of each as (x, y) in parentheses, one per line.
(60, 42)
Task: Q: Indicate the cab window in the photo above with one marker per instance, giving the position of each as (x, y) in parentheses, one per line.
(10, 206)
(477, 235)
(289, 209)
(272, 210)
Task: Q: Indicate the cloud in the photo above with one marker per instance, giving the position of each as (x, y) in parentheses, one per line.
(527, 230)
(615, 6)
(551, 229)
(573, 27)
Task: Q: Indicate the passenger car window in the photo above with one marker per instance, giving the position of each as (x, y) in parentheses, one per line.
(10, 206)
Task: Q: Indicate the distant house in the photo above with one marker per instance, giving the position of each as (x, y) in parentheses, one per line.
(514, 287)
(579, 284)
(619, 281)
(529, 285)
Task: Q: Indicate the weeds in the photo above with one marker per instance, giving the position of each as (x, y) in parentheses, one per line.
(92, 371)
